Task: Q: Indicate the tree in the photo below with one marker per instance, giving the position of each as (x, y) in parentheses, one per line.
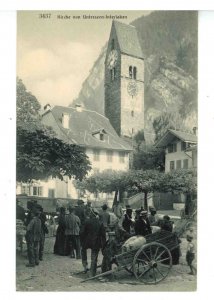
(107, 182)
(148, 158)
(139, 181)
(144, 182)
(40, 156)
(167, 121)
(27, 108)
(179, 181)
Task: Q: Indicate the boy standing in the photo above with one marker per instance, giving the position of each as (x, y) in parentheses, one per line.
(190, 255)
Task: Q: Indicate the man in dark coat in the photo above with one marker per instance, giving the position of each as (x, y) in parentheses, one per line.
(93, 237)
(44, 230)
(127, 222)
(142, 225)
(80, 211)
(33, 236)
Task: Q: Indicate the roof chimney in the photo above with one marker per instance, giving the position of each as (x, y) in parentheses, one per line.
(78, 107)
(195, 131)
(65, 120)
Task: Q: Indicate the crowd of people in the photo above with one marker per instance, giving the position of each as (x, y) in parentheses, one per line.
(84, 227)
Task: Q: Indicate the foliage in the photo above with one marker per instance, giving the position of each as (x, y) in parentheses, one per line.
(179, 181)
(149, 157)
(186, 56)
(139, 138)
(164, 33)
(27, 108)
(106, 181)
(167, 121)
(40, 156)
(39, 153)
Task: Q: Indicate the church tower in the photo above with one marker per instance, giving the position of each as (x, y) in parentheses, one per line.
(124, 80)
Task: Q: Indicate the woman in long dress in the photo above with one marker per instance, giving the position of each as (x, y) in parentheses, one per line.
(60, 242)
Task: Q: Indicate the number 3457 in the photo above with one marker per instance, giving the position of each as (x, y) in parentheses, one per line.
(44, 16)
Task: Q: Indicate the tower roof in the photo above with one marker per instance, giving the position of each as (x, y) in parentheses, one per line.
(128, 39)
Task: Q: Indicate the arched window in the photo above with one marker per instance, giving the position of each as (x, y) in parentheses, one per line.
(113, 74)
(132, 113)
(130, 72)
(135, 73)
(112, 44)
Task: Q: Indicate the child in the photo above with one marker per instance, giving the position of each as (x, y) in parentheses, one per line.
(190, 255)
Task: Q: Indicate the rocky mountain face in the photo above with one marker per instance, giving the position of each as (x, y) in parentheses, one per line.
(169, 43)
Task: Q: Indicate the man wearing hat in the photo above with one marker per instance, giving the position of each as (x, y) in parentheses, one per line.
(142, 225)
(127, 222)
(80, 212)
(33, 237)
(153, 218)
(72, 231)
(105, 216)
(93, 237)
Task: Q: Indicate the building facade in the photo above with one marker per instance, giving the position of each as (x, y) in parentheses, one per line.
(180, 150)
(94, 133)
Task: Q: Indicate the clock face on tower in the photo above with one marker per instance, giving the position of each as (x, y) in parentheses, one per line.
(132, 88)
(112, 59)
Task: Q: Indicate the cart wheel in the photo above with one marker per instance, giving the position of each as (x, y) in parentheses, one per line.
(152, 263)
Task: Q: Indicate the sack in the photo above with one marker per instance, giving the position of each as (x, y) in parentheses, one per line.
(133, 243)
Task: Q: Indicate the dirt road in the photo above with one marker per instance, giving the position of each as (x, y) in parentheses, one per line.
(57, 273)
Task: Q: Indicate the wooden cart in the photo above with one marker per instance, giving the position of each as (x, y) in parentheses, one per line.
(151, 263)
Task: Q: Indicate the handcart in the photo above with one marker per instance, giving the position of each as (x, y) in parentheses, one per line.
(151, 263)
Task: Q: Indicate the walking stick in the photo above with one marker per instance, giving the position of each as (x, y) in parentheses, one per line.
(103, 274)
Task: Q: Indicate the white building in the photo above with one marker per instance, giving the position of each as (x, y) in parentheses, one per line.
(180, 149)
(90, 130)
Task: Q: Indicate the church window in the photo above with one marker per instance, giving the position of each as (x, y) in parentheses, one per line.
(113, 73)
(135, 73)
(130, 72)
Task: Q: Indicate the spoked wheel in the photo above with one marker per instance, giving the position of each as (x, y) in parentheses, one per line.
(152, 263)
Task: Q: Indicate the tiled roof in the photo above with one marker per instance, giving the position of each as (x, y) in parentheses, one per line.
(170, 134)
(82, 128)
(128, 39)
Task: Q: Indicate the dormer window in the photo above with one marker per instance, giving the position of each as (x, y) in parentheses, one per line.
(99, 134)
(65, 120)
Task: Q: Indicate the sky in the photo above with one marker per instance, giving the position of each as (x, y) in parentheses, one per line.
(55, 54)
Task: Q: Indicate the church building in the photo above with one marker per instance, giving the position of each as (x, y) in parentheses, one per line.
(102, 137)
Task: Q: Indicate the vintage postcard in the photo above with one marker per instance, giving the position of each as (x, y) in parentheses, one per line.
(107, 120)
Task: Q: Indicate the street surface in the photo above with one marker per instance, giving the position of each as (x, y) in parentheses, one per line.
(57, 273)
